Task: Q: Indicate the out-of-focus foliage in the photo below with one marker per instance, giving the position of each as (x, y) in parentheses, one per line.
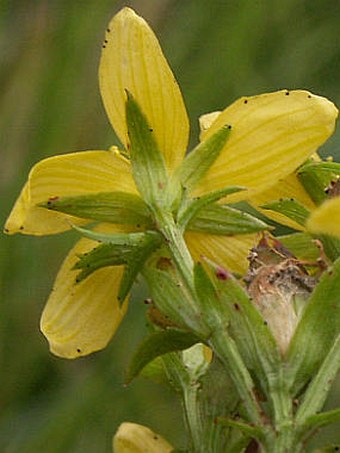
(49, 104)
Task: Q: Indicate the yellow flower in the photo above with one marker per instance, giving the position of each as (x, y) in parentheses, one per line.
(134, 438)
(272, 134)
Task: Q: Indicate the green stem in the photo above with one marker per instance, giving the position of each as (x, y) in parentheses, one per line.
(226, 349)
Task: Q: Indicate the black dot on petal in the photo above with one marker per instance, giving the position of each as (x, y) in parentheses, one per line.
(108, 30)
(245, 101)
(155, 437)
(309, 96)
(21, 228)
(287, 93)
(104, 47)
(106, 41)
(78, 350)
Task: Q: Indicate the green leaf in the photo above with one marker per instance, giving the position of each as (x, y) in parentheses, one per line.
(197, 163)
(247, 328)
(224, 220)
(301, 245)
(317, 329)
(290, 208)
(115, 207)
(131, 249)
(148, 165)
(193, 206)
(157, 344)
(315, 177)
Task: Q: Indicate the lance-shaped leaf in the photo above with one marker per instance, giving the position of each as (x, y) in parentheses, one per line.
(222, 219)
(191, 207)
(229, 304)
(147, 161)
(157, 344)
(131, 249)
(317, 329)
(290, 208)
(116, 207)
(198, 162)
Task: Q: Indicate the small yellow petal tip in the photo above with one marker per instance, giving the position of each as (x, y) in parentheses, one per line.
(134, 438)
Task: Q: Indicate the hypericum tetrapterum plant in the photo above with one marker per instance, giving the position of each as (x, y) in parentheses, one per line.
(254, 357)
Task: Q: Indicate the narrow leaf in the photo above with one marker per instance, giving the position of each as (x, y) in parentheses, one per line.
(115, 207)
(193, 206)
(157, 344)
(290, 208)
(317, 329)
(198, 162)
(224, 220)
(319, 420)
(147, 161)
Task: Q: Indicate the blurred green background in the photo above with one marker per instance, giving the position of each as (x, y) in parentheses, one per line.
(50, 104)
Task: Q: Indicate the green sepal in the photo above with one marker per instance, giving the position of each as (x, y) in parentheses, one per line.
(316, 176)
(115, 207)
(157, 344)
(224, 220)
(148, 165)
(290, 208)
(301, 245)
(246, 326)
(190, 208)
(199, 160)
(317, 329)
(130, 249)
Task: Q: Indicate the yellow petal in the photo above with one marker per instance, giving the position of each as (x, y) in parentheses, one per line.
(289, 187)
(206, 120)
(272, 134)
(66, 175)
(326, 218)
(229, 252)
(134, 438)
(132, 59)
(81, 318)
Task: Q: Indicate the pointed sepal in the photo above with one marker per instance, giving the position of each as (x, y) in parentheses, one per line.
(113, 207)
(148, 165)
